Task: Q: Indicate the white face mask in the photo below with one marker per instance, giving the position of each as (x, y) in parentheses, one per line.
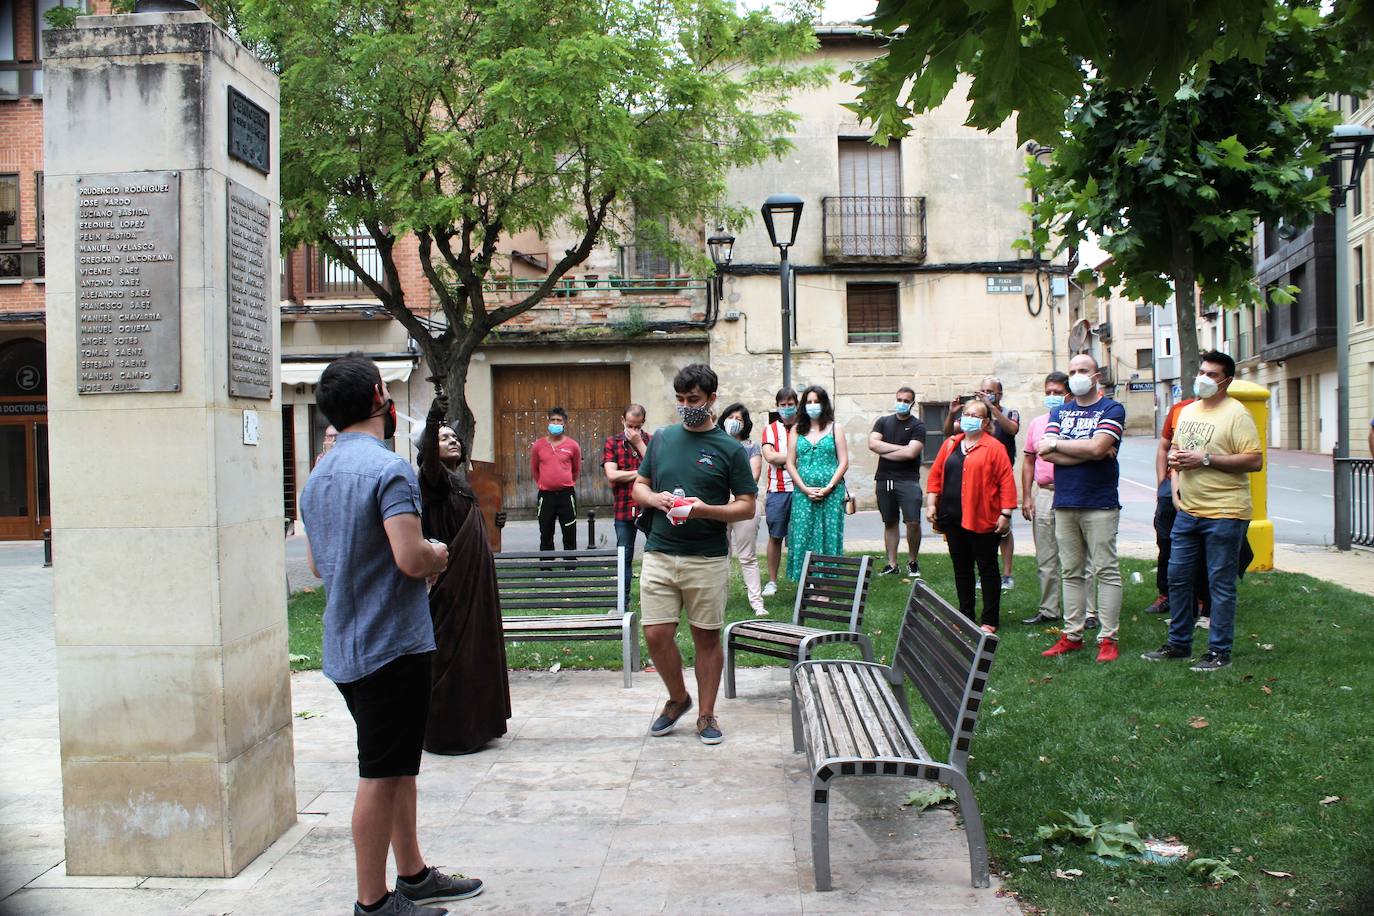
(733, 426)
(1204, 387)
(1080, 384)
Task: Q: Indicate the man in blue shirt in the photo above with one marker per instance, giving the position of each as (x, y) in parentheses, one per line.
(361, 508)
(1081, 440)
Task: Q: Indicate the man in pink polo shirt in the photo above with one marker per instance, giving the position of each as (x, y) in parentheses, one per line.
(555, 463)
(1037, 507)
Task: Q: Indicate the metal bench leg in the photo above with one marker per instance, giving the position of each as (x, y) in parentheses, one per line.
(729, 663)
(796, 719)
(634, 643)
(973, 827)
(820, 834)
(628, 636)
(865, 646)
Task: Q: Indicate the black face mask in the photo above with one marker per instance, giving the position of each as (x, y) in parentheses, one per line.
(388, 415)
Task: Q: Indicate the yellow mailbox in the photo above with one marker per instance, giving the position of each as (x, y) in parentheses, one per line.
(1256, 400)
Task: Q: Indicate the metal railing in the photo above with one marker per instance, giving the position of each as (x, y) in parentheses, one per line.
(874, 229)
(326, 278)
(23, 261)
(1355, 525)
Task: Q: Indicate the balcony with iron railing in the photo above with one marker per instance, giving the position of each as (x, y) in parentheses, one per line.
(327, 278)
(22, 261)
(874, 230)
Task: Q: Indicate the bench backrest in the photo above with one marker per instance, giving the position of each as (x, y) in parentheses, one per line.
(555, 581)
(948, 657)
(833, 590)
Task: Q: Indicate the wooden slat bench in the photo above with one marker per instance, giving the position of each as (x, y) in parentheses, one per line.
(548, 596)
(833, 591)
(852, 718)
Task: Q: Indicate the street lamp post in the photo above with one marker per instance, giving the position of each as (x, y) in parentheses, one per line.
(781, 215)
(1348, 143)
(722, 246)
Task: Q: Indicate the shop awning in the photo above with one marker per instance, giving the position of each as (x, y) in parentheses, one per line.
(307, 372)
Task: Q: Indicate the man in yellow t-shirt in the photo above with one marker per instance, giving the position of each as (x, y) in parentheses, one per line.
(1215, 448)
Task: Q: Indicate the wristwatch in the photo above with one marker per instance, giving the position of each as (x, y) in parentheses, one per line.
(1206, 460)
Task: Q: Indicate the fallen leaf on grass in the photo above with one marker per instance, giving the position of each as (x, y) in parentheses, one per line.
(555, 668)
(308, 590)
(1212, 871)
(1267, 647)
(1044, 759)
(309, 714)
(1330, 799)
(1198, 722)
(296, 657)
(1070, 874)
(1277, 874)
(1267, 689)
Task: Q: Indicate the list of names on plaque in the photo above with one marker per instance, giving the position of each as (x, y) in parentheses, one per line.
(250, 320)
(128, 283)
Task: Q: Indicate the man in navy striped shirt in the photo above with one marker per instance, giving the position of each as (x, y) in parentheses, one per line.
(1081, 440)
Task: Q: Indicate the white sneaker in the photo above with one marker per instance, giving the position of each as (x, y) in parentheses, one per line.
(760, 612)
(770, 589)
(1203, 623)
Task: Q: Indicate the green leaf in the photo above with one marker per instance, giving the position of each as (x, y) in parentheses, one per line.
(928, 796)
(1212, 871)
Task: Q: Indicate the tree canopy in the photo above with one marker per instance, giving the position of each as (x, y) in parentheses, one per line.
(1032, 58)
(1171, 186)
(448, 124)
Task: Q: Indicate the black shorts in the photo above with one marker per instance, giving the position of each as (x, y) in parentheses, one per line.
(901, 494)
(390, 707)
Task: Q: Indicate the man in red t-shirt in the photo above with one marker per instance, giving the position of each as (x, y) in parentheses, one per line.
(555, 462)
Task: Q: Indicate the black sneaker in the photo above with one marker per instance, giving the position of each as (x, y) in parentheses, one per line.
(1211, 662)
(439, 888)
(672, 711)
(1037, 620)
(1091, 623)
(397, 905)
(1168, 653)
(913, 569)
(1159, 606)
(887, 570)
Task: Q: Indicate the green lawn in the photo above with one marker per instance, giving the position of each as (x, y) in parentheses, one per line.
(1235, 764)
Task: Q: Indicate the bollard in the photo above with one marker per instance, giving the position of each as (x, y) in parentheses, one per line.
(47, 548)
(1261, 536)
(591, 528)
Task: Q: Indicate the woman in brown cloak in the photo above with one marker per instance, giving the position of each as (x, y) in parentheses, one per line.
(470, 699)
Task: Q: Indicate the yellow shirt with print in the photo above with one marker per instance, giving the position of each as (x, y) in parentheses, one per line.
(1226, 429)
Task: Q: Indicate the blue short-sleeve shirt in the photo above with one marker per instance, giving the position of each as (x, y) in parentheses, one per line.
(1092, 484)
(374, 613)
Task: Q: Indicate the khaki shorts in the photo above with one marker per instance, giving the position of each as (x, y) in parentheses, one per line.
(670, 584)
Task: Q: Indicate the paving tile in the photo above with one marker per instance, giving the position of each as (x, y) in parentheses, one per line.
(901, 886)
(13, 877)
(541, 806)
(728, 841)
(683, 888)
(472, 847)
(579, 727)
(565, 775)
(32, 844)
(558, 749)
(64, 901)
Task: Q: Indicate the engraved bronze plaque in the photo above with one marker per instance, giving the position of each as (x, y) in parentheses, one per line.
(249, 235)
(128, 282)
(250, 132)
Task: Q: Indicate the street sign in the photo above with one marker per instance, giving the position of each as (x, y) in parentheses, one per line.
(1140, 386)
(1004, 284)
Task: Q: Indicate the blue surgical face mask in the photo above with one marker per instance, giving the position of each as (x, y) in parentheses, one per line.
(813, 411)
(555, 429)
(970, 424)
(787, 413)
(1054, 400)
(902, 407)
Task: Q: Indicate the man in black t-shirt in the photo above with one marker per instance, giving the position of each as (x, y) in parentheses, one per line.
(897, 440)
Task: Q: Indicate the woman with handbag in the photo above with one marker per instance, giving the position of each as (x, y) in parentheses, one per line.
(970, 496)
(744, 535)
(817, 459)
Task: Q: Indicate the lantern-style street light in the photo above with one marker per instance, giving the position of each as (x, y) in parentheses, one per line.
(722, 246)
(781, 216)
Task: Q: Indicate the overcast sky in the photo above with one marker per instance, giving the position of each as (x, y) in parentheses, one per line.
(847, 10)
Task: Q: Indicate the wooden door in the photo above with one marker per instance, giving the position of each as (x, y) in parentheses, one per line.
(24, 500)
(593, 396)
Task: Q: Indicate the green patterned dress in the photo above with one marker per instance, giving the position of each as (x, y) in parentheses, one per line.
(815, 526)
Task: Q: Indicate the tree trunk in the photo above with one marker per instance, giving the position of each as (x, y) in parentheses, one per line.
(1184, 275)
(455, 381)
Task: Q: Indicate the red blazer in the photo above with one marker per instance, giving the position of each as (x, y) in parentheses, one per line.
(988, 486)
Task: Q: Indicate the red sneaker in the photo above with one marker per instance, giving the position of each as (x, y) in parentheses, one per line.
(1107, 651)
(1063, 647)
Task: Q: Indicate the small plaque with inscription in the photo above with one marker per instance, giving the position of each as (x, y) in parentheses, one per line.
(250, 132)
(249, 234)
(128, 282)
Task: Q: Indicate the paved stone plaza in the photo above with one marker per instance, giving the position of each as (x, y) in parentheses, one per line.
(575, 811)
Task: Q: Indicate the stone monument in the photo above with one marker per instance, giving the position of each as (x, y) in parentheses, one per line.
(162, 290)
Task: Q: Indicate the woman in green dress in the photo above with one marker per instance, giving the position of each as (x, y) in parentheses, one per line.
(817, 459)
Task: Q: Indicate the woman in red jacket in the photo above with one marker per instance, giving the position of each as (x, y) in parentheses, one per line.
(970, 496)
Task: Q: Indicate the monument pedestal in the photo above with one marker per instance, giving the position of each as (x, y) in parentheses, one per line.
(163, 324)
